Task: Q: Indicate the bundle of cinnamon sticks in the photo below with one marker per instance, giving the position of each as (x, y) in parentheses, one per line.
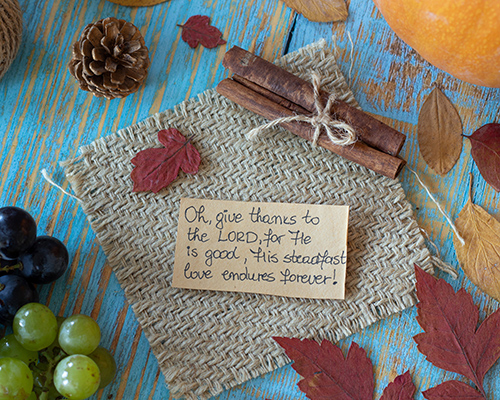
(272, 92)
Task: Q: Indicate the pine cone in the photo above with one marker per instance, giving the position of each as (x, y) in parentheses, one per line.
(110, 59)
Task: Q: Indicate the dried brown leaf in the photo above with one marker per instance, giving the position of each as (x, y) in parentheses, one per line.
(320, 10)
(479, 257)
(439, 132)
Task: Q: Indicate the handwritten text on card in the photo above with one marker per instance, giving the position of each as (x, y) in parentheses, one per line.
(294, 250)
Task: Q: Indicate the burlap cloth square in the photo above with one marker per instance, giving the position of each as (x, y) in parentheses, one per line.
(207, 341)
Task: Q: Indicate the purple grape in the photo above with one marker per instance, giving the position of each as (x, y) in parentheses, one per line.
(17, 232)
(45, 261)
(15, 292)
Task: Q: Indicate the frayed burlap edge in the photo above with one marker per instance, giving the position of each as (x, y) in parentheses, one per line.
(205, 341)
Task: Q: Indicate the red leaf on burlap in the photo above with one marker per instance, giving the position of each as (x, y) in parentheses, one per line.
(485, 150)
(402, 388)
(451, 340)
(453, 390)
(326, 373)
(156, 168)
(197, 29)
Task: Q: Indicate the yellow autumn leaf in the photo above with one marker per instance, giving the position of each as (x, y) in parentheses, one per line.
(137, 3)
(320, 10)
(479, 257)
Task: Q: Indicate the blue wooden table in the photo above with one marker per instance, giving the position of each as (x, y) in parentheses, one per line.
(45, 118)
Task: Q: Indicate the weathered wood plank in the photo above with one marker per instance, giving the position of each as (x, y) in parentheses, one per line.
(390, 79)
(45, 118)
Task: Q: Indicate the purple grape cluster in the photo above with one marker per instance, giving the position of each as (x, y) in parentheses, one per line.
(25, 259)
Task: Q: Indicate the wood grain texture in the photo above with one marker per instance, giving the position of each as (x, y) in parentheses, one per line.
(390, 79)
(44, 118)
(320, 10)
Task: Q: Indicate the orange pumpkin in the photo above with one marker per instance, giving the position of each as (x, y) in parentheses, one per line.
(461, 37)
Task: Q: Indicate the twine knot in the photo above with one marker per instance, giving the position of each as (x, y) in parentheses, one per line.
(339, 132)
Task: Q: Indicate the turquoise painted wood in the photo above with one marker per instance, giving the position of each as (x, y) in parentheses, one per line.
(44, 118)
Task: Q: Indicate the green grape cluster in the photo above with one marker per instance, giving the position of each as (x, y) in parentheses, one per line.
(51, 358)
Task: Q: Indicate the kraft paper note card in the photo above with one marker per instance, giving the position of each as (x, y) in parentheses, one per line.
(294, 250)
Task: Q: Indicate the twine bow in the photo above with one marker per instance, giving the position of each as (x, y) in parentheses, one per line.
(339, 132)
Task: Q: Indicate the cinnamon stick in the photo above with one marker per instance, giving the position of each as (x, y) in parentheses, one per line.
(359, 152)
(271, 96)
(300, 92)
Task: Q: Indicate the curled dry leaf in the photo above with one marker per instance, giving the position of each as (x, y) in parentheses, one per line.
(320, 10)
(451, 339)
(439, 132)
(485, 150)
(479, 257)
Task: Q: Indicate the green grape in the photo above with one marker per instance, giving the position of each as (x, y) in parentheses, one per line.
(106, 364)
(77, 377)
(16, 379)
(35, 326)
(32, 396)
(79, 334)
(10, 347)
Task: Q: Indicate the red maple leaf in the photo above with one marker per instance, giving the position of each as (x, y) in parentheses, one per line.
(328, 375)
(453, 390)
(452, 340)
(197, 29)
(401, 388)
(156, 168)
(485, 150)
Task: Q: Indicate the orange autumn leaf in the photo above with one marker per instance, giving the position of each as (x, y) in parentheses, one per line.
(479, 257)
(320, 10)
